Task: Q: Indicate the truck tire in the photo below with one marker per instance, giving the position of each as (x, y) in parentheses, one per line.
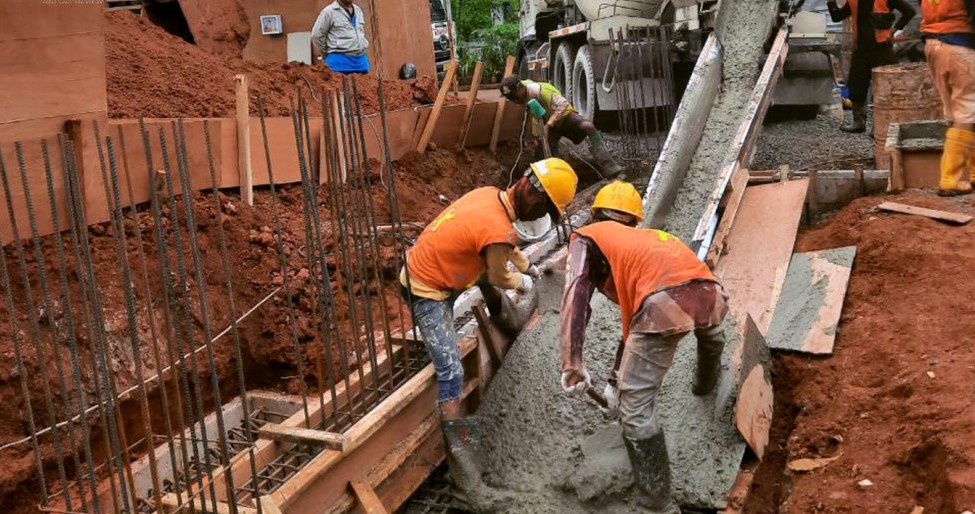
(584, 84)
(565, 56)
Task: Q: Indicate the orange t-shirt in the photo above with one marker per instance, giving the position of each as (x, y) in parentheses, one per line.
(447, 256)
(642, 262)
(945, 17)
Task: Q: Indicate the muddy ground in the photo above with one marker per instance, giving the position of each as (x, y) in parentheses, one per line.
(893, 403)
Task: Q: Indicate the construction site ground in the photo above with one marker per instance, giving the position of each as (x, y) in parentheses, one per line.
(893, 403)
(891, 406)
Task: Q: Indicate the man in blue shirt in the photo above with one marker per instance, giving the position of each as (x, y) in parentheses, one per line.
(340, 35)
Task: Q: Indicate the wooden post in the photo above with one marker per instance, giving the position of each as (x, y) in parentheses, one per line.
(437, 107)
(337, 116)
(471, 101)
(811, 196)
(244, 141)
(509, 67)
(75, 134)
(370, 502)
(857, 181)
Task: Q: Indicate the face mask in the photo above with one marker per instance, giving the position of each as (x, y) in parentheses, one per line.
(534, 230)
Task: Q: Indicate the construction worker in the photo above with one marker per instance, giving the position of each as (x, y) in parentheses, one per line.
(476, 236)
(873, 45)
(664, 292)
(560, 120)
(339, 34)
(948, 28)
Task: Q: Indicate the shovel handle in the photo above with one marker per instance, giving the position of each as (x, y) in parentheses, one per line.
(597, 397)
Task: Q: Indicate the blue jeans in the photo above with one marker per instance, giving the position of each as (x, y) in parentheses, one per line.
(436, 323)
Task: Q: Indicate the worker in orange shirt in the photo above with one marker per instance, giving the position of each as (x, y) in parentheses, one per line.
(471, 243)
(664, 292)
(874, 28)
(948, 29)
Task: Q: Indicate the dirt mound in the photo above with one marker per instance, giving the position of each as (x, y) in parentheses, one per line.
(153, 74)
(894, 401)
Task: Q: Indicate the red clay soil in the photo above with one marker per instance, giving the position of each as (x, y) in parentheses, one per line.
(894, 402)
(154, 74)
(269, 349)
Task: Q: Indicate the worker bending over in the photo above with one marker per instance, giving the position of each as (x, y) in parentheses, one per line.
(664, 292)
(561, 120)
(873, 46)
(948, 28)
(475, 236)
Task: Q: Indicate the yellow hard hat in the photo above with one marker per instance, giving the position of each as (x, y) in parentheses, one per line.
(558, 179)
(620, 196)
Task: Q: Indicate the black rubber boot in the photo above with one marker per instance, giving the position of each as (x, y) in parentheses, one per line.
(603, 159)
(651, 473)
(468, 489)
(859, 123)
(708, 370)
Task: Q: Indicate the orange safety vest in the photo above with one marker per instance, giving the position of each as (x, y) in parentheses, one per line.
(879, 7)
(945, 17)
(642, 262)
(447, 255)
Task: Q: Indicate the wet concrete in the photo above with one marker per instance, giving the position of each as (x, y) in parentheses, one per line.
(742, 36)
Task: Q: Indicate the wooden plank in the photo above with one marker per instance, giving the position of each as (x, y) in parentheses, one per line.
(759, 247)
(808, 310)
(270, 506)
(321, 481)
(753, 407)
(172, 503)
(278, 432)
(244, 140)
(471, 100)
(484, 328)
(738, 184)
(509, 68)
(950, 217)
(812, 198)
(437, 107)
(370, 502)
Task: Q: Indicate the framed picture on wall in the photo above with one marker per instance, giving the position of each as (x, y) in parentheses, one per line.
(271, 24)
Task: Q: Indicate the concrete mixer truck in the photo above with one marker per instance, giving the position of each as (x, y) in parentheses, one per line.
(570, 43)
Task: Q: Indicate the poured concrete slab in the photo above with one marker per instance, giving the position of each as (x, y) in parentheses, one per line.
(809, 307)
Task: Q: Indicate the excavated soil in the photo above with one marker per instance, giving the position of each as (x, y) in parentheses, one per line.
(153, 74)
(423, 185)
(893, 403)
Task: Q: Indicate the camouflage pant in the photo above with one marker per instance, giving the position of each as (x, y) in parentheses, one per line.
(646, 359)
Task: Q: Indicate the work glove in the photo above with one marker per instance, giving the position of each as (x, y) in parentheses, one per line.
(579, 387)
(533, 272)
(526, 285)
(612, 395)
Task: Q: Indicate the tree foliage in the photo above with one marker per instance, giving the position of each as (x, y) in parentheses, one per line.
(473, 16)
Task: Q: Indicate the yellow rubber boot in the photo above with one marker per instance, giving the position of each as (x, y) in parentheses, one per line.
(959, 145)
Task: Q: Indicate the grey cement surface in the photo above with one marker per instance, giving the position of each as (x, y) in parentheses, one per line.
(742, 38)
(797, 310)
(561, 456)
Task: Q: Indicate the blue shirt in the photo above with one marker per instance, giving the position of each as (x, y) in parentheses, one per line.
(347, 63)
